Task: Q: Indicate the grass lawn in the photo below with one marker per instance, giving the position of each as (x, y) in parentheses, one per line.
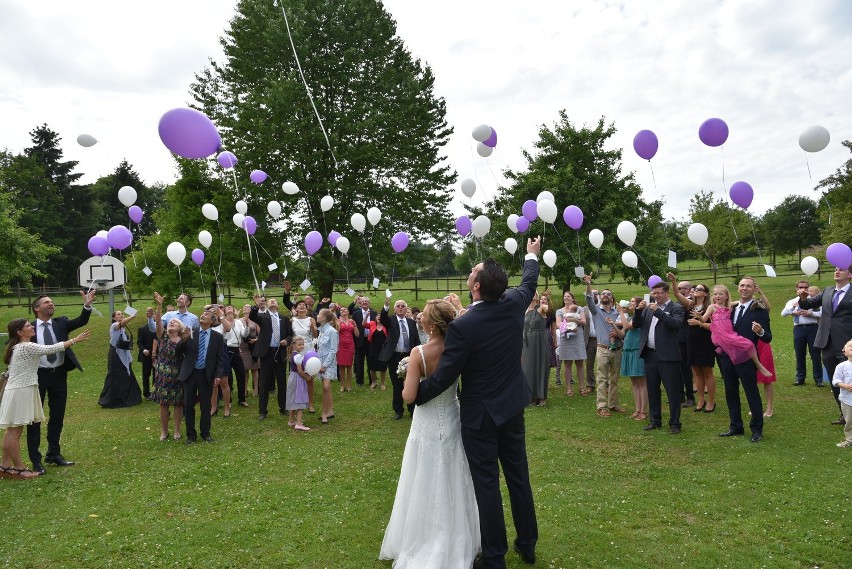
(607, 493)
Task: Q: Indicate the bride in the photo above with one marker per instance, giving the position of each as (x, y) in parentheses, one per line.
(435, 521)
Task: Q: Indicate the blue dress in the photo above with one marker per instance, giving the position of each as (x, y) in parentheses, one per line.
(631, 364)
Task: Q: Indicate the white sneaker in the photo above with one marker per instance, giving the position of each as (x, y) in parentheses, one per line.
(844, 444)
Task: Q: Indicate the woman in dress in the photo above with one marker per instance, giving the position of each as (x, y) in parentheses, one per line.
(738, 348)
(435, 521)
(570, 325)
(297, 386)
(535, 358)
(21, 403)
(764, 354)
(120, 386)
(168, 390)
(233, 339)
(305, 327)
(327, 346)
(250, 363)
(378, 334)
(632, 365)
(346, 351)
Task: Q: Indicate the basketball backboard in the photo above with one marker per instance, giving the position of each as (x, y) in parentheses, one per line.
(102, 273)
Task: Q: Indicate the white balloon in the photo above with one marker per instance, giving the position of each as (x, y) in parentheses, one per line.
(176, 252)
(86, 140)
(481, 133)
(127, 196)
(545, 195)
(210, 212)
(546, 210)
(290, 188)
(342, 244)
(358, 222)
(238, 219)
(374, 215)
(205, 238)
(273, 208)
(242, 207)
(512, 222)
(511, 245)
(313, 365)
(697, 233)
(814, 139)
(629, 258)
(626, 231)
(481, 226)
(549, 258)
(482, 150)
(810, 265)
(468, 187)
(596, 238)
(326, 203)
(102, 233)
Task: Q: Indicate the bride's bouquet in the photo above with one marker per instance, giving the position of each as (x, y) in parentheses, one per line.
(402, 368)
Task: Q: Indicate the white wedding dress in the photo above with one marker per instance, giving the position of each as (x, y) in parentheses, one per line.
(434, 523)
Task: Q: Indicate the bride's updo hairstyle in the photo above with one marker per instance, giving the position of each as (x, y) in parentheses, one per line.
(440, 313)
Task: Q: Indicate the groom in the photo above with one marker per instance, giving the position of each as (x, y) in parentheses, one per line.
(484, 347)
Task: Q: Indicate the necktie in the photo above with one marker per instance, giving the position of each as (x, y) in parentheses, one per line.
(49, 340)
(403, 334)
(276, 331)
(202, 349)
(836, 300)
(740, 313)
(366, 316)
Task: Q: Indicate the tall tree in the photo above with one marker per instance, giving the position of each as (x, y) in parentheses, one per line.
(791, 226)
(728, 228)
(837, 191)
(112, 211)
(384, 123)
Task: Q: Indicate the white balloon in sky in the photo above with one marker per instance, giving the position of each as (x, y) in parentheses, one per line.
(86, 140)
(326, 203)
(545, 195)
(127, 196)
(205, 238)
(546, 210)
(242, 207)
(549, 258)
(210, 212)
(176, 252)
(358, 222)
(511, 245)
(342, 244)
(290, 188)
(468, 187)
(697, 233)
(596, 238)
(629, 258)
(238, 219)
(512, 221)
(374, 215)
(273, 208)
(481, 133)
(484, 151)
(626, 231)
(481, 226)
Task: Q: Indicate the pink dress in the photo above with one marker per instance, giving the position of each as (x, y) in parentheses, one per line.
(346, 345)
(736, 347)
(764, 354)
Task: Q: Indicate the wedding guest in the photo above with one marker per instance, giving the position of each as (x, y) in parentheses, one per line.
(570, 327)
(700, 348)
(535, 359)
(377, 369)
(305, 327)
(327, 347)
(805, 324)
(608, 356)
(424, 335)
(250, 363)
(843, 381)
(168, 389)
(346, 351)
(362, 315)
(145, 342)
(233, 338)
(120, 386)
(764, 354)
(402, 336)
(632, 365)
(202, 368)
(187, 318)
(297, 386)
(223, 387)
(274, 338)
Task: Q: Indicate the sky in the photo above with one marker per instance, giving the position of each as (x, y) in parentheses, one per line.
(768, 68)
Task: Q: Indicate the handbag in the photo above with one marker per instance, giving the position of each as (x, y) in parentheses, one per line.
(4, 377)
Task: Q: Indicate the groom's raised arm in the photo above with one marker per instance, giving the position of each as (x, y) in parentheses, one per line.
(452, 362)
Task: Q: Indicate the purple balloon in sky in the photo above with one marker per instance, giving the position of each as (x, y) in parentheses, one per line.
(491, 141)
(119, 237)
(227, 159)
(522, 224)
(135, 213)
(530, 210)
(250, 224)
(258, 176)
(645, 144)
(197, 256)
(654, 281)
(742, 194)
(313, 242)
(189, 133)
(399, 241)
(839, 255)
(98, 246)
(333, 236)
(464, 225)
(573, 217)
(713, 132)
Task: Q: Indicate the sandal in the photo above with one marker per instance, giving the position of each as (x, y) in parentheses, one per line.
(176, 437)
(243, 404)
(164, 437)
(20, 473)
(569, 392)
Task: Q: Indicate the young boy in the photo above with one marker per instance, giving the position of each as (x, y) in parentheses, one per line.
(843, 380)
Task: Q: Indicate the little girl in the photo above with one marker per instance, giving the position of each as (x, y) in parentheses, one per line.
(722, 334)
(297, 386)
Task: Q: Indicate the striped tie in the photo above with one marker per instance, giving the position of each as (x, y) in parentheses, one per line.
(202, 349)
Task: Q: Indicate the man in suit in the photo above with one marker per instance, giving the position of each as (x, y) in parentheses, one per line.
(274, 336)
(688, 396)
(750, 321)
(805, 325)
(203, 366)
(145, 341)
(660, 321)
(402, 336)
(53, 376)
(484, 347)
(835, 324)
(361, 314)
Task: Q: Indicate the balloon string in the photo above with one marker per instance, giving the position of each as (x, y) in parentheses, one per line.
(311, 212)
(654, 179)
(345, 268)
(725, 195)
(576, 262)
(307, 88)
(369, 260)
(219, 231)
(807, 164)
(201, 276)
(251, 263)
(283, 255)
(180, 278)
(828, 205)
(257, 244)
(93, 284)
(234, 176)
(393, 269)
(710, 258)
(754, 233)
(650, 270)
(308, 268)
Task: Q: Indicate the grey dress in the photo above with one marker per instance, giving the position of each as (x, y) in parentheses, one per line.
(571, 348)
(535, 359)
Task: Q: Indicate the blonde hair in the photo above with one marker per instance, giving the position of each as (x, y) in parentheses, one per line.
(439, 313)
(727, 293)
(296, 340)
(329, 316)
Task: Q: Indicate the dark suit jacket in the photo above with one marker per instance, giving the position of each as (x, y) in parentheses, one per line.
(357, 317)
(214, 363)
(264, 335)
(391, 322)
(145, 341)
(669, 323)
(483, 346)
(61, 326)
(753, 314)
(835, 326)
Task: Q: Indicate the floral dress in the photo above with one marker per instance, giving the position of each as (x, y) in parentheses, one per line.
(168, 390)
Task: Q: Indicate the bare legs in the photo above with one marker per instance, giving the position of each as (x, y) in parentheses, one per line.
(164, 421)
(640, 397)
(704, 380)
(327, 403)
(346, 378)
(310, 383)
(226, 396)
(769, 390)
(580, 377)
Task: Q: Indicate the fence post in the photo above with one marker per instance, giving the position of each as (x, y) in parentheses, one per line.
(416, 288)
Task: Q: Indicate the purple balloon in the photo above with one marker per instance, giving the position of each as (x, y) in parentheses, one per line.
(197, 256)
(313, 243)
(573, 217)
(491, 140)
(645, 144)
(742, 194)
(227, 159)
(258, 176)
(250, 224)
(98, 246)
(399, 241)
(654, 281)
(309, 355)
(713, 132)
(530, 210)
(838, 254)
(522, 224)
(464, 225)
(119, 237)
(333, 236)
(189, 133)
(135, 213)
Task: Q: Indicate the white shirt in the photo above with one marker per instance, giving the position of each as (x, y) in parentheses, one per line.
(652, 331)
(60, 356)
(793, 306)
(843, 374)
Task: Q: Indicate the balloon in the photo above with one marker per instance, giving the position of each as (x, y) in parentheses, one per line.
(813, 139)
(399, 241)
(176, 253)
(530, 210)
(312, 366)
(119, 237)
(374, 215)
(549, 258)
(468, 187)
(522, 224)
(484, 151)
(629, 258)
(290, 188)
(626, 231)
(258, 176)
(464, 225)
(481, 133)
(333, 236)
(839, 255)
(205, 238)
(86, 140)
(358, 222)
(250, 224)
(197, 256)
(227, 160)
(98, 246)
(645, 144)
(511, 245)
(127, 196)
(742, 194)
(546, 210)
(310, 354)
(573, 217)
(209, 211)
(102, 233)
(545, 195)
(491, 140)
(481, 226)
(810, 265)
(242, 207)
(697, 233)
(313, 242)
(273, 208)
(135, 212)
(189, 133)
(238, 219)
(342, 244)
(654, 280)
(326, 203)
(596, 238)
(713, 132)
(512, 222)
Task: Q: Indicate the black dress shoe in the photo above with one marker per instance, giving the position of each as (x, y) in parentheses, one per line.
(650, 427)
(189, 440)
(38, 467)
(798, 383)
(208, 439)
(731, 433)
(688, 403)
(529, 558)
(840, 421)
(674, 429)
(262, 416)
(756, 437)
(479, 562)
(820, 384)
(58, 460)
(397, 417)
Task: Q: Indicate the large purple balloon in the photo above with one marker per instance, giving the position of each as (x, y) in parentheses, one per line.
(135, 213)
(189, 133)
(464, 225)
(399, 241)
(227, 159)
(573, 217)
(645, 144)
(530, 210)
(313, 242)
(742, 194)
(119, 237)
(98, 246)
(250, 224)
(713, 132)
(333, 236)
(197, 256)
(654, 281)
(522, 224)
(258, 176)
(309, 355)
(839, 255)
(491, 141)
